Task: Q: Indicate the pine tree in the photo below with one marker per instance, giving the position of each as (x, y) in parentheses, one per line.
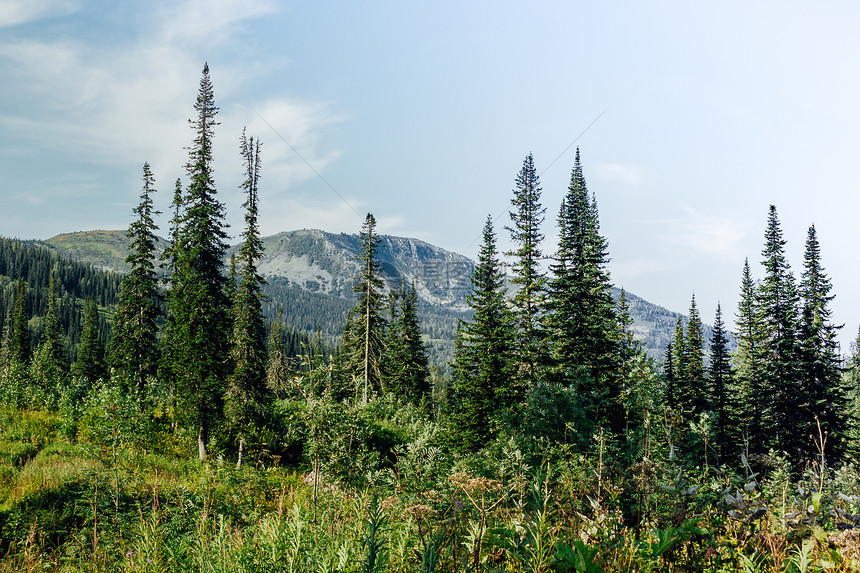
(248, 396)
(694, 392)
(90, 363)
(720, 377)
(134, 341)
(777, 320)
(581, 321)
(851, 384)
(197, 301)
(820, 375)
(677, 358)
(406, 354)
(628, 346)
(528, 300)
(19, 334)
(483, 362)
(364, 333)
(49, 367)
(277, 368)
(752, 406)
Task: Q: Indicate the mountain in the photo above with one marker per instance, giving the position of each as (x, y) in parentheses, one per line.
(310, 274)
(105, 250)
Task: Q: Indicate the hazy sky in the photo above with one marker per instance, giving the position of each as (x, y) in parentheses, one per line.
(700, 118)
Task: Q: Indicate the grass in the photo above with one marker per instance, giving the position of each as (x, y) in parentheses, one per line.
(67, 504)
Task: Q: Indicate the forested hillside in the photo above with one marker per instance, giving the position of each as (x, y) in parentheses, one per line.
(310, 274)
(30, 265)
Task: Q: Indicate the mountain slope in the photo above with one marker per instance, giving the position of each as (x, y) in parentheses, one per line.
(310, 274)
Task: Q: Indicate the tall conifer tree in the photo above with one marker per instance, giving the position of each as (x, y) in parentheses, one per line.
(483, 362)
(197, 301)
(695, 391)
(90, 363)
(528, 301)
(677, 358)
(19, 335)
(820, 374)
(49, 367)
(364, 334)
(406, 354)
(720, 378)
(581, 319)
(248, 396)
(777, 320)
(753, 399)
(134, 341)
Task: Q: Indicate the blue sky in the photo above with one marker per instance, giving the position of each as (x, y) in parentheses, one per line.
(423, 112)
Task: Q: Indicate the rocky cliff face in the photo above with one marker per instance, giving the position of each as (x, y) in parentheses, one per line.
(325, 262)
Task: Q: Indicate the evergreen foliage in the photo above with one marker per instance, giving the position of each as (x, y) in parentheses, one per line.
(90, 364)
(364, 333)
(248, 396)
(406, 364)
(777, 320)
(483, 361)
(19, 335)
(694, 390)
(820, 373)
(134, 341)
(581, 321)
(198, 351)
(49, 367)
(720, 378)
(530, 283)
(749, 364)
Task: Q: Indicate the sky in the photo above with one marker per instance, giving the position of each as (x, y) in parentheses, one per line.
(692, 119)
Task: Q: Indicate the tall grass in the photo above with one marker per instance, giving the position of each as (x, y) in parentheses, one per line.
(80, 506)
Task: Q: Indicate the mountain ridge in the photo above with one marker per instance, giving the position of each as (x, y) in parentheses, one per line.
(318, 267)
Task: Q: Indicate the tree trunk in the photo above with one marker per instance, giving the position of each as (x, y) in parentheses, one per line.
(202, 436)
(241, 453)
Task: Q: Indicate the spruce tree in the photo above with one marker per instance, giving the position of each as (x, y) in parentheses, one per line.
(677, 358)
(90, 363)
(528, 300)
(851, 384)
(777, 320)
(581, 321)
(277, 367)
(407, 365)
(364, 334)
(720, 378)
(820, 375)
(695, 391)
(752, 406)
(628, 346)
(483, 363)
(19, 334)
(248, 396)
(134, 341)
(197, 301)
(49, 367)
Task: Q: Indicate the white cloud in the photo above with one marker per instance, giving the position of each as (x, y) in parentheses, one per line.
(289, 213)
(206, 22)
(626, 272)
(131, 104)
(17, 12)
(291, 132)
(714, 235)
(628, 175)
